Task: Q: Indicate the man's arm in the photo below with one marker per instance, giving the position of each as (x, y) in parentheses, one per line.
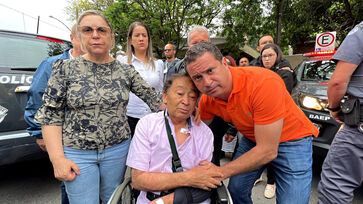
(198, 177)
(267, 141)
(338, 84)
(35, 93)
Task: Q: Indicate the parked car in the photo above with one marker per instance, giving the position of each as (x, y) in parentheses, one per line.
(20, 55)
(310, 94)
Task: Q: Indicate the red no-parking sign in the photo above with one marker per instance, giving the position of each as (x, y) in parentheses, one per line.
(325, 41)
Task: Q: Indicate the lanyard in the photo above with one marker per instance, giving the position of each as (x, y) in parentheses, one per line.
(176, 163)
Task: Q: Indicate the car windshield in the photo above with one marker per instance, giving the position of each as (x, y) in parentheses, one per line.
(320, 70)
(24, 52)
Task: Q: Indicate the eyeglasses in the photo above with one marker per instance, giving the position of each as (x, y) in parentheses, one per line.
(268, 56)
(89, 30)
(168, 50)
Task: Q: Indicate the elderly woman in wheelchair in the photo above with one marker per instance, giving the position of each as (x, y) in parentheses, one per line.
(168, 148)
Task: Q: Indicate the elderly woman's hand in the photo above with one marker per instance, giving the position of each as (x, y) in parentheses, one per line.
(65, 169)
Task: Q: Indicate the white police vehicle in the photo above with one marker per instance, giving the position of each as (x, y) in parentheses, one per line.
(20, 55)
(310, 94)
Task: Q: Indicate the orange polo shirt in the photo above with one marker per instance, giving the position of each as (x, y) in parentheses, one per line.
(258, 97)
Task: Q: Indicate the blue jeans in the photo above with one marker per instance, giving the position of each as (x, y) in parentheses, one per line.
(292, 168)
(101, 172)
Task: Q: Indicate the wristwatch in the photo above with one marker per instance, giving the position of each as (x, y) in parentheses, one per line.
(334, 109)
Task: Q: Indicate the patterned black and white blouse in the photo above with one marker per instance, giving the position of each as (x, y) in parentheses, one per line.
(89, 101)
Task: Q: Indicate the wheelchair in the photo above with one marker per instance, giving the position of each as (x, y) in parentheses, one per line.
(123, 194)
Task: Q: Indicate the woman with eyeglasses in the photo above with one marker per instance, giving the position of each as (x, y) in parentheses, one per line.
(271, 57)
(139, 54)
(83, 118)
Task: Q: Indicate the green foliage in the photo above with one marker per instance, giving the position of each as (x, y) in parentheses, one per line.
(77, 7)
(168, 20)
(242, 20)
(301, 20)
(238, 21)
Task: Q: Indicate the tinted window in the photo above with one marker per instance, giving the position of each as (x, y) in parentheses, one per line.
(318, 70)
(23, 52)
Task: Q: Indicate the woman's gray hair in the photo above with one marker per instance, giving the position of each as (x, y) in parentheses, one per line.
(199, 49)
(196, 28)
(94, 13)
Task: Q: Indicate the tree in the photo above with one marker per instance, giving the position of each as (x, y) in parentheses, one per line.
(242, 21)
(77, 7)
(168, 20)
(291, 22)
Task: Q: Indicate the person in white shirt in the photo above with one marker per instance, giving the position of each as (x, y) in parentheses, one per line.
(139, 54)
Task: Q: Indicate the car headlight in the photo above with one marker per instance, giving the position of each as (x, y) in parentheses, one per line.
(312, 102)
(3, 113)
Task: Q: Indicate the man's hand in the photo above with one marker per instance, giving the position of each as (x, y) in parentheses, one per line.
(228, 137)
(41, 144)
(206, 176)
(65, 169)
(196, 115)
(336, 115)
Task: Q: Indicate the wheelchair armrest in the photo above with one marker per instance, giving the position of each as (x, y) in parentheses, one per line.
(223, 196)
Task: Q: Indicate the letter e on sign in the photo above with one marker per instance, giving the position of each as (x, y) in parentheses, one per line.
(325, 41)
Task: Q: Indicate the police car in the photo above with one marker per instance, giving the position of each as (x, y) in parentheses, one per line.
(20, 55)
(310, 94)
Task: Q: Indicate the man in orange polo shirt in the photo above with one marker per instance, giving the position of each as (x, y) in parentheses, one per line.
(257, 103)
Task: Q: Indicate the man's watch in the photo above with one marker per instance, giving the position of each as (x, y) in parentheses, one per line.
(338, 108)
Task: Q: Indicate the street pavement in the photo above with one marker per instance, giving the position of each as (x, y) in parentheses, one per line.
(33, 182)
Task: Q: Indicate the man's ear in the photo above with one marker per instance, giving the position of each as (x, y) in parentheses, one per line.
(224, 62)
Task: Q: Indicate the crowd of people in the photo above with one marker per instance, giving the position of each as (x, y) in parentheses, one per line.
(95, 115)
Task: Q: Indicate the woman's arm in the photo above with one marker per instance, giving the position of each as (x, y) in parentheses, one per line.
(64, 169)
(199, 177)
(51, 116)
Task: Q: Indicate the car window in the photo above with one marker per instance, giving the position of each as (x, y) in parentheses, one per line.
(320, 70)
(24, 52)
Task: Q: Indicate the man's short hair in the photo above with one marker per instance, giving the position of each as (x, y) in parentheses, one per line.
(199, 49)
(172, 45)
(169, 81)
(258, 43)
(198, 28)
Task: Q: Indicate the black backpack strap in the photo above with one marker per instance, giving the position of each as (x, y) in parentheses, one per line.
(175, 162)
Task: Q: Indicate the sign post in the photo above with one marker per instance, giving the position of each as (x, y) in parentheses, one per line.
(325, 41)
